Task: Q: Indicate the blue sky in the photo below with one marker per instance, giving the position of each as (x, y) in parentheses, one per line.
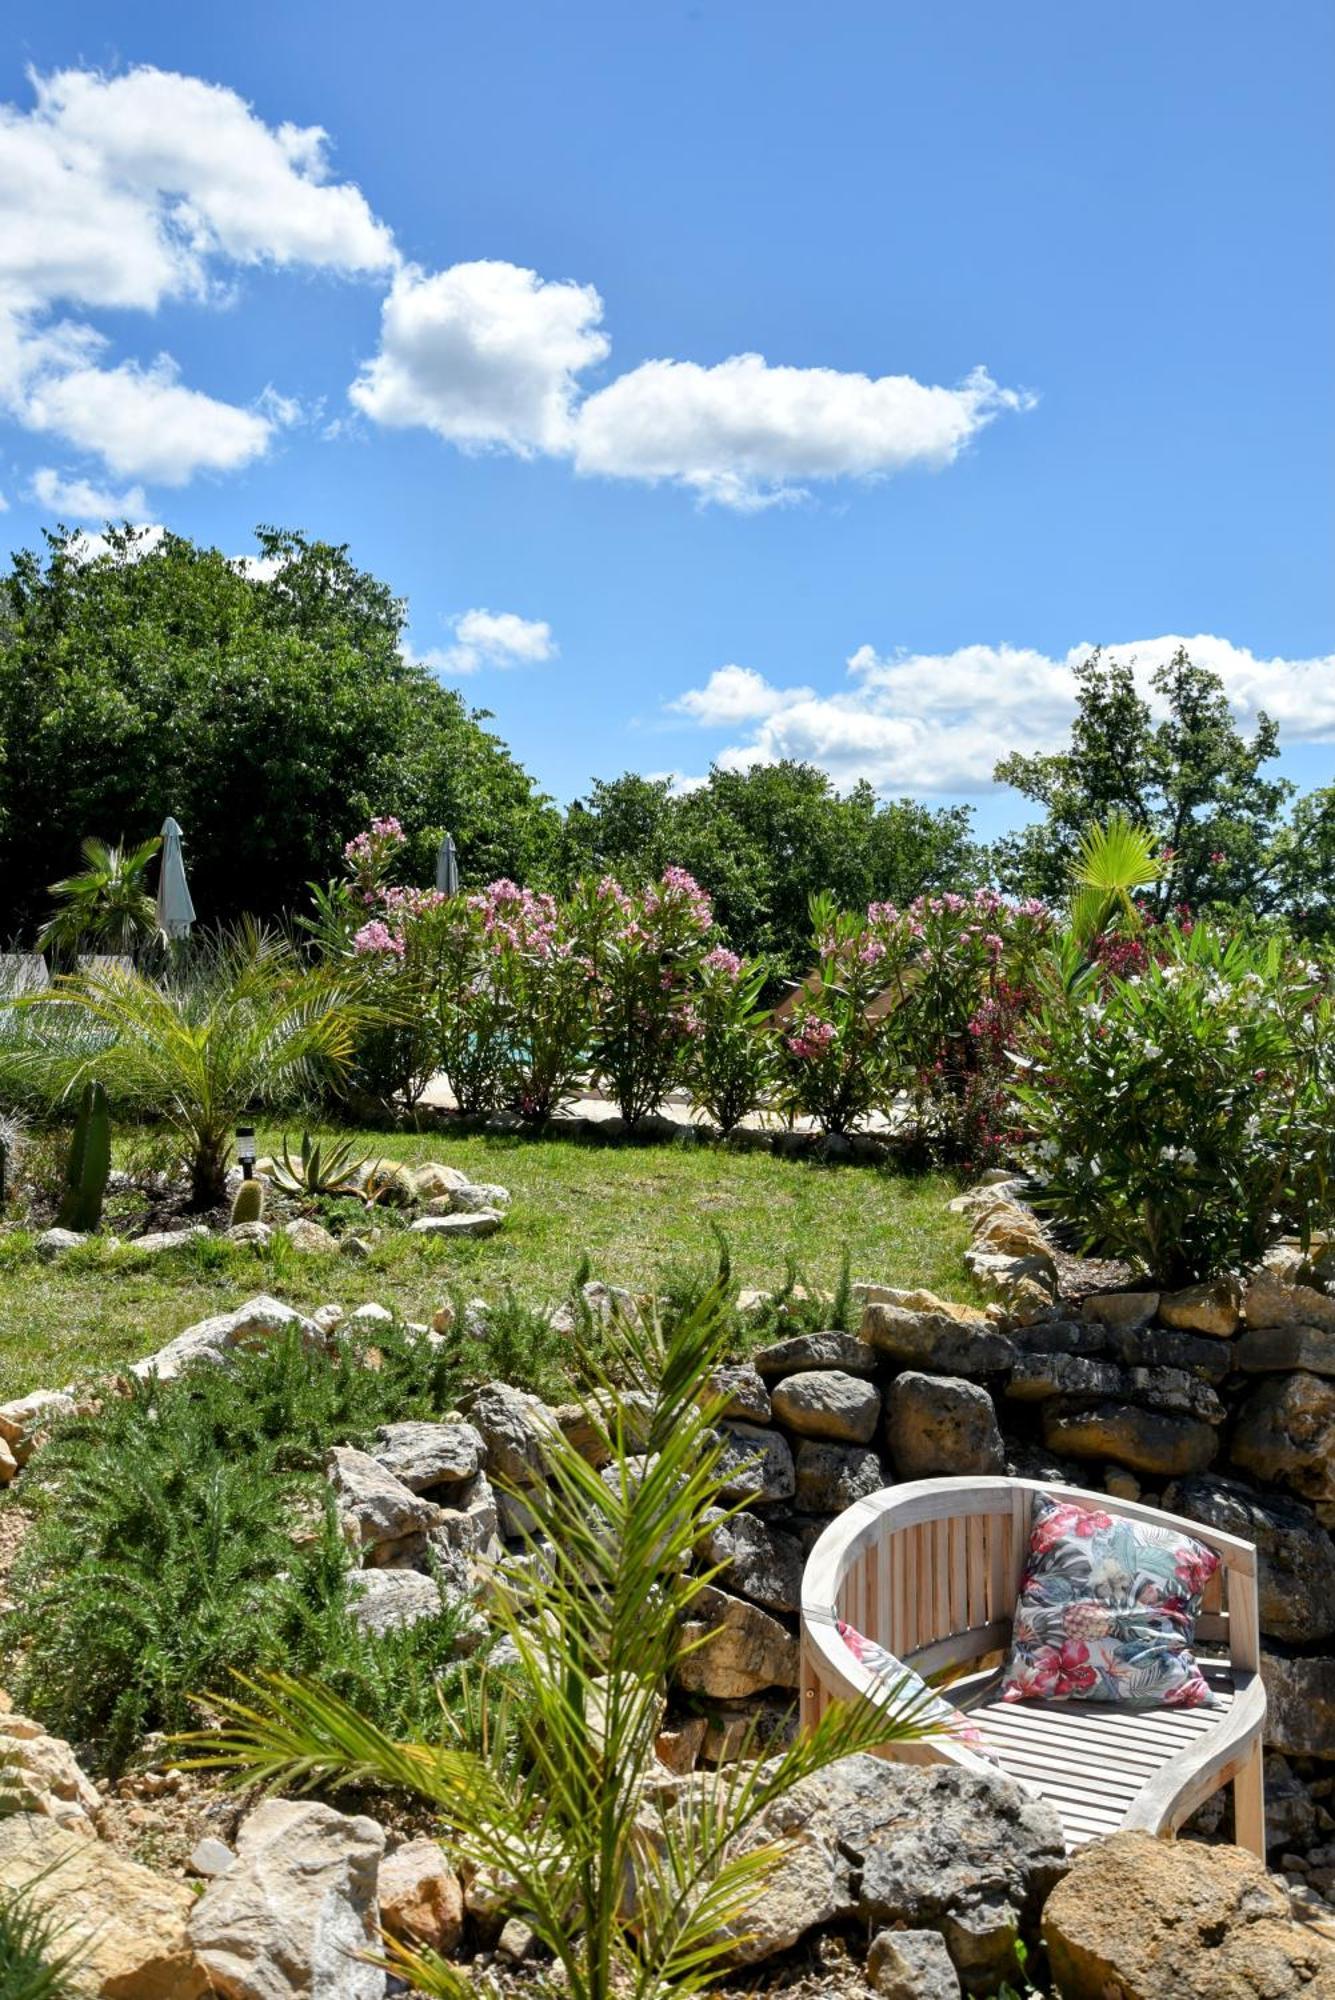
(487, 331)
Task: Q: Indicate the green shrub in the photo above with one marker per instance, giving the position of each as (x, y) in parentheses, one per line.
(186, 1532)
(732, 1058)
(1184, 1116)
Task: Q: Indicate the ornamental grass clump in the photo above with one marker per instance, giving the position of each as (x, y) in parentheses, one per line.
(1183, 1117)
(636, 1888)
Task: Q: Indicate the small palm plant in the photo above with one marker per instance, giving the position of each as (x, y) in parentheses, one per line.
(1113, 861)
(245, 1022)
(639, 1888)
(105, 907)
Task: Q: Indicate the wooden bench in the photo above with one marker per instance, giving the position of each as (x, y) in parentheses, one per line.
(931, 1569)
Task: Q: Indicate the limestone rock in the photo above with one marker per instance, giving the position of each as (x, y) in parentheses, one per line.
(1300, 1703)
(379, 1508)
(1128, 1311)
(1295, 1555)
(762, 1562)
(40, 1774)
(590, 1424)
(1214, 1308)
(210, 1340)
(928, 1339)
(742, 1391)
(53, 1243)
(756, 1464)
(485, 1222)
(158, 1240)
(1149, 1919)
(846, 1351)
(22, 1420)
(421, 1899)
(478, 1200)
(1268, 1349)
(127, 1924)
(516, 1428)
(423, 1455)
(831, 1477)
(310, 1237)
(1285, 1433)
(940, 1424)
(1169, 1347)
(1272, 1302)
(250, 1232)
(925, 1846)
(1145, 1441)
(749, 1650)
(911, 1965)
(296, 1911)
(434, 1179)
(826, 1403)
(1036, 1377)
(389, 1600)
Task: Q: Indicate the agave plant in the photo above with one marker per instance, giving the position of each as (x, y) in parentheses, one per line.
(245, 1022)
(322, 1168)
(637, 1889)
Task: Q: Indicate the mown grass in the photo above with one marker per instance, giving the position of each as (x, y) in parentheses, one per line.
(635, 1213)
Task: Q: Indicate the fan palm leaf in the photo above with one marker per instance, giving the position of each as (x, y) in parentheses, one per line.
(1113, 861)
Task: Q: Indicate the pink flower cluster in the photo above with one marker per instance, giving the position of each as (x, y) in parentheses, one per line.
(812, 1039)
(374, 843)
(720, 959)
(517, 919)
(378, 937)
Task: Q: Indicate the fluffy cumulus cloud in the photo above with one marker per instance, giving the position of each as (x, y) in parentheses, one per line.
(938, 722)
(748, 434)
(490, 639)
(79, 500)
(483, 354)
(131, 190)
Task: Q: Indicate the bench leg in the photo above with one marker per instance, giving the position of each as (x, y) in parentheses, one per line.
(1249, 1804)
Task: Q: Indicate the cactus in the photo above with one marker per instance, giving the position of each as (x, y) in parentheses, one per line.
(248, 1204)
(89, 1162)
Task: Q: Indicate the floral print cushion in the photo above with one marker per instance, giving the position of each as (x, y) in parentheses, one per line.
(1107, 1611)
(936, 1710)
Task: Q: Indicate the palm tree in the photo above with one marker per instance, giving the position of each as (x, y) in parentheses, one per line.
(1113, 861)
(638, 1889)
(106, 905)
(244, 1023)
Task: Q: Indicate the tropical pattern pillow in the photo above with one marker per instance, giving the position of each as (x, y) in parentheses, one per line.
(936, 1710)
(1107, 1611)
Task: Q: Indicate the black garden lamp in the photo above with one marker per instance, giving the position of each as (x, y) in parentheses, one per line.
(245, 1151)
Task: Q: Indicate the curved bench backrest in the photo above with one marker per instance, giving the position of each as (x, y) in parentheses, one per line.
(931, 1569)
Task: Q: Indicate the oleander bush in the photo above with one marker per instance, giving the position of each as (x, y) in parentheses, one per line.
(1181, 1113)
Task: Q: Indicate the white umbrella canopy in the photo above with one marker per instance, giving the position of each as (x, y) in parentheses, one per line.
(176, 912)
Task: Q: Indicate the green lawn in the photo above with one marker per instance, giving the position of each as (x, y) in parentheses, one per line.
(634, 1211)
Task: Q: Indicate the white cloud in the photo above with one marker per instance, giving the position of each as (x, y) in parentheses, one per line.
(746, 434)
(482, 354)
(938, 722)
(88, 548)
(80, 500)
(143, 423)
(491, 639)
(131, 190)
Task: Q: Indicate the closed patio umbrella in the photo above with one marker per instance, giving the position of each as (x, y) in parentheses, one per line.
(176, 912)
(447, 868)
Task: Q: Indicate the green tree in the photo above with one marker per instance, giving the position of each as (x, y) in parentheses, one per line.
(1191, 778)
(271, 710)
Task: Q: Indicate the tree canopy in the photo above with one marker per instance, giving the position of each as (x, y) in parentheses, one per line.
(269, 708)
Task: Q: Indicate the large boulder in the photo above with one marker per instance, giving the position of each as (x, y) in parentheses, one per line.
(936, 1337)
(1214, 1308)
(744, 1648)
(1300, 1703)
(1271, 1301)
(1147, 1919)
(756, 1560)
(1127, 1311)
(755, 1465)
(911, 1965)
(258, 1320)
(389, 1600)
(378, 1510)
(1149, 1441)
(1295, 1555)
(968, 1855)
(830, 1477)
(738, 1391)
(941, 1424)
(296, 1912)
(827, 1403)
(422, 1455)
(127, 1925)
(1268, 1350)
(40, 1774)
(517, 1429)
(846, 1351)
(1285, 1434)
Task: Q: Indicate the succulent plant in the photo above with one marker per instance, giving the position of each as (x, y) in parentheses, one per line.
(248, 1203)
(322, 1167)
(89, 1162)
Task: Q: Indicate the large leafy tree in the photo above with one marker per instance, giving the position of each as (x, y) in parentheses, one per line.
(270, 709)
(764, 841)
(1181, 768)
